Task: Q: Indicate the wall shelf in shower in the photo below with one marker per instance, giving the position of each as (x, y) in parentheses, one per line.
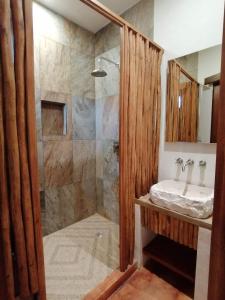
(53, 118)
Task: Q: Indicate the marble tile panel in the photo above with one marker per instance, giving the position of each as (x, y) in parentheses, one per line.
(55, 68)
(141, 16)
(84, 162)
(109, 85)
(82, 40)
(38, 114)
(62, 98)
(53, 221)
(111, 118)
(53, 121)
(68, 205)
(58, 163)
(111, 161)
(37, 61)
(99, 105)
(43, 221)
(85, 197)
(190, 64)
(42, 200)
(107, 38)
(83, 118)
(41, 164)
(60, 207)
(99, 158)
(82, 83)
(111, 199)
(48, 24)
(99, 196)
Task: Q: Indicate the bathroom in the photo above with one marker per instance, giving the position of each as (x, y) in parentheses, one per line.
(98, 154)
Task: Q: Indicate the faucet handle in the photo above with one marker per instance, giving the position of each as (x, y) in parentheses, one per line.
(202, 163)
(179, 161)
(189, 162)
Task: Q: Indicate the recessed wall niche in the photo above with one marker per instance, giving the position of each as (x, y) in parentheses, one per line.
(54, 118)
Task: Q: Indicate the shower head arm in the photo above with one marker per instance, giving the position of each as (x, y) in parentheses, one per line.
(109, 60)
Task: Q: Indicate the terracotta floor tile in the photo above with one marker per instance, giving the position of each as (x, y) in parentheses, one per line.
(144, 285)
(129, 292)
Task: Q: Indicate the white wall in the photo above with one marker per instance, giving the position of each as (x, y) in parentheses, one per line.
(205, 113)
(183, 27)
(209, 62)
(202, 267)
(186, 26)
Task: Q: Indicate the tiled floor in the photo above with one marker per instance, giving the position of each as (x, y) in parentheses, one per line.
(143, 285)
(79, 257)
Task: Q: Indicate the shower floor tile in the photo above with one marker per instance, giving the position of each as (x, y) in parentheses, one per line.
(79, 257)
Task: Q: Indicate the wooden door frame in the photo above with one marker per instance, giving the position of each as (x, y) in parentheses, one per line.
(216, 290)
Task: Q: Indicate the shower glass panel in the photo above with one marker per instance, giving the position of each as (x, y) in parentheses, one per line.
(77, 117)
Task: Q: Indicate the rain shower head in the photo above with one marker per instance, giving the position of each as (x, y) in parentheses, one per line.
(99, 73)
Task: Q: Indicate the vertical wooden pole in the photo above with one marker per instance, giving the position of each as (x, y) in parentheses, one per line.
(122, 157)
(13, 162)
(32, 145)
(6, 276)
(19, 54)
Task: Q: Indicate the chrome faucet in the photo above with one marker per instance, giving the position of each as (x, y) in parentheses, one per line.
(189, 162)
(179, 161)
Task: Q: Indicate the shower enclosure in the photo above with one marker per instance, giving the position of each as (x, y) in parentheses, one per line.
(77, 120)
(77, 115)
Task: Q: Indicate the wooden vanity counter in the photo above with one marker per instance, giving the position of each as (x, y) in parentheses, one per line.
(145, 202)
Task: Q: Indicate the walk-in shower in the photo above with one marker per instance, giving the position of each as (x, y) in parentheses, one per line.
(100, 72)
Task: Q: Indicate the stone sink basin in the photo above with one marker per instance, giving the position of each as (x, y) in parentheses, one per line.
(192, 200)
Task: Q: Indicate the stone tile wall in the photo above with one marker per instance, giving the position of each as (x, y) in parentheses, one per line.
(107, 137)
(107, 43)
(64, 59)
(140, 16)
(79, 171)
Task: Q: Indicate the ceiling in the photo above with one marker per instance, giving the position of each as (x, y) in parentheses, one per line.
(81, 14)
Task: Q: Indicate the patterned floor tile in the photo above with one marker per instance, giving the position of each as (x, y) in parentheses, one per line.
(79, 257)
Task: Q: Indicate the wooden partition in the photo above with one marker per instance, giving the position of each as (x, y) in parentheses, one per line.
(139, 129)
(171, 227)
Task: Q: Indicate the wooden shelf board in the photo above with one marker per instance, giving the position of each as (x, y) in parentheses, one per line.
(145, 202)
(176, 257)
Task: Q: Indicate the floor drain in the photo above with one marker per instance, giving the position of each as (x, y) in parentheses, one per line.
(99, 235)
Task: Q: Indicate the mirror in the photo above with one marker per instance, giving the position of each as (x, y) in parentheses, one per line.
(193, 84)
